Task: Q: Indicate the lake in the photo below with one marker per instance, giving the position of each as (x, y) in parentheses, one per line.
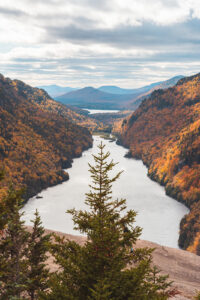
(158, 214)
(100, 111)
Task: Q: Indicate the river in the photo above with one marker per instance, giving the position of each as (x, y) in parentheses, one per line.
(158, 214)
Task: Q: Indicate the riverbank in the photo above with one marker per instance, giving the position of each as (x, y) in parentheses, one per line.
(62, 175)
(165, 133)
(186, 233)
(182, 266)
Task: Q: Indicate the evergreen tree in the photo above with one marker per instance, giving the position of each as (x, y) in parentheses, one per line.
(23, 254)
(106, 266)
(101, 291)
(38, 245)
(13, 263)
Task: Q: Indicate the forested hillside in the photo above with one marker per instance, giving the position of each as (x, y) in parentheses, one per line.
(40, 97)
(37, 140)
(165, 133)
(148, 91)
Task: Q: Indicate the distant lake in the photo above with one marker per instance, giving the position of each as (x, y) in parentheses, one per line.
(100, 111)
(158, 214)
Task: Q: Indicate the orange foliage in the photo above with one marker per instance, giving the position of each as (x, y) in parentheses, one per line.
(165, 133)
(35, 143)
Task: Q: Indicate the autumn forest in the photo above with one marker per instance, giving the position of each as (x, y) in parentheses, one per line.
(165, 133)
(36, 141)
(40, 137)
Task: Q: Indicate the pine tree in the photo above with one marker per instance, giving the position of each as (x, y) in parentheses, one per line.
(106, 267)
(101, 291)
(23, 254)
(38, 245)
(13, 263)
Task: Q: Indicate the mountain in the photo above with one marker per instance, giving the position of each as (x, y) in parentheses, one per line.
(146, 91)
(165, 133)
(90, 97)
(56, 90)
(117, 90)
(148, 88)
(36, 141)
(112, 89)
(72, 113)
(112, 97)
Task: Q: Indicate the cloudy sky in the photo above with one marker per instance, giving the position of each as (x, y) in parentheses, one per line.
(79, 43)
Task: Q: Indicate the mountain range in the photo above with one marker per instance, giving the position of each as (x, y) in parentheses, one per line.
(56, 90)
(112, 97)
(161, 84)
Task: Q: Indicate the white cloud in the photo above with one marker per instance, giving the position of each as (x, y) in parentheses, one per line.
(110, 50)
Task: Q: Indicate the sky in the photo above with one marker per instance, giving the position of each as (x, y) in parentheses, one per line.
(77, 43)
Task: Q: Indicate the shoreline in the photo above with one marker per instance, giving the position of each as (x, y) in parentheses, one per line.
(169, 192)
(63, 173)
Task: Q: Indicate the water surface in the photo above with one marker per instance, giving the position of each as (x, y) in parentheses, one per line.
(101, 111)
(158, 214)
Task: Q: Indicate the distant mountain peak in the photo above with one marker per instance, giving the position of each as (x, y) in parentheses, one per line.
(88, 88)
(55, 90)
(111, 96)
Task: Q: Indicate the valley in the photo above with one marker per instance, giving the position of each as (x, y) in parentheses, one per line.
(156, 119)
(142, 194)
(100, 150)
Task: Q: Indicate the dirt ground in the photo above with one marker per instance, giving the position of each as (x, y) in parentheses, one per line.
(183, 267)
